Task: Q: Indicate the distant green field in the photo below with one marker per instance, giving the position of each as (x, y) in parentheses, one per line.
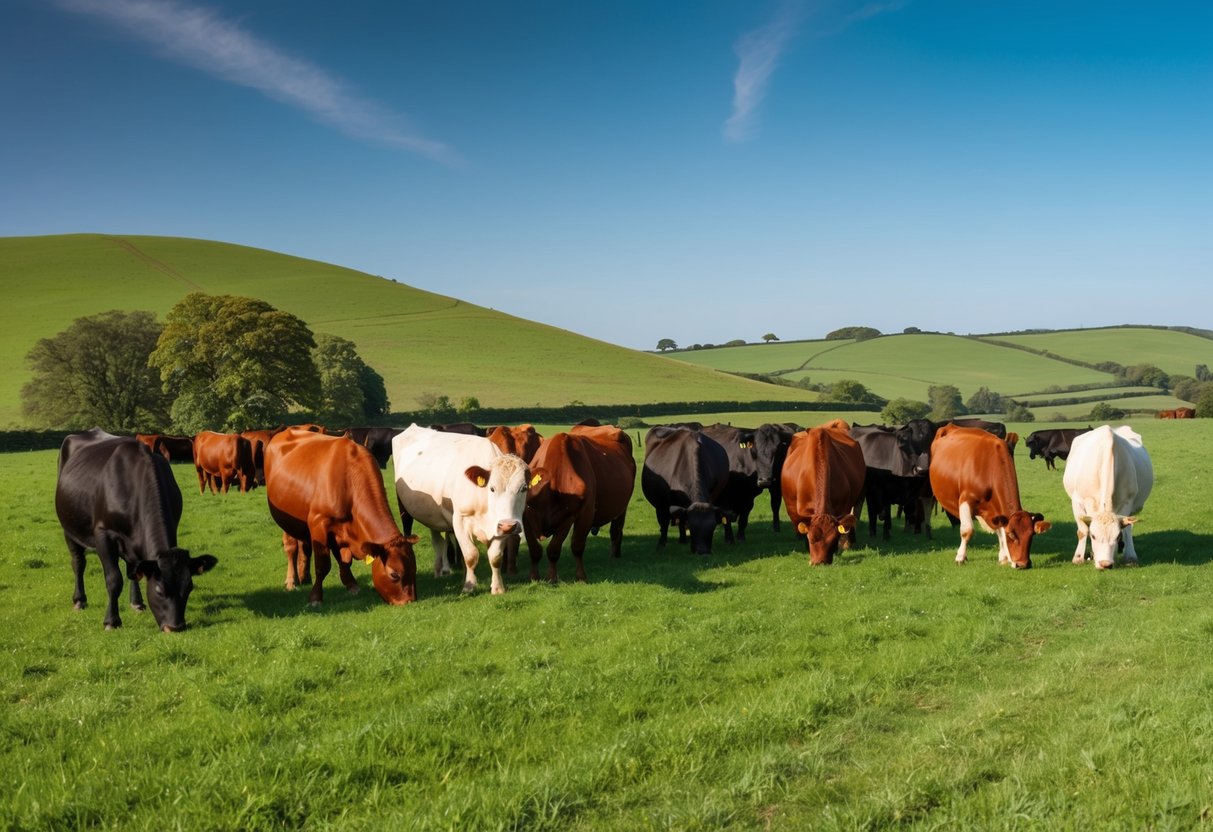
(1150, 404)
(420, 342)
(1094, 394)
(759, 358)
(1174, 352)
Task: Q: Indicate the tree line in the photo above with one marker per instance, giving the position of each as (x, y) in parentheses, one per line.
(218, 362)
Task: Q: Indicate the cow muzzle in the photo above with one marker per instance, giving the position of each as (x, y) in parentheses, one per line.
(508, 527)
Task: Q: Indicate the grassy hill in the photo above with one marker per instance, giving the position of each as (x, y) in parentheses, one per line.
(419, 341)
(905, 366)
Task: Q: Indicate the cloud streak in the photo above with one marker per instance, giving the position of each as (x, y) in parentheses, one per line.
(200, 38)
(758, 54)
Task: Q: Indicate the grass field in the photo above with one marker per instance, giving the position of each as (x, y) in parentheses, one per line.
(420, 342)
(741, 691)
(1174, 352)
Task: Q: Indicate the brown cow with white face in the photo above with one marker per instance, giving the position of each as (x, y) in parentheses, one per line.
(973, 475)
(327, 495)
(822, 481)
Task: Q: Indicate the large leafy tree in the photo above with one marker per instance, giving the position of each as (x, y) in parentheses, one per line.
(95, 373)
(945, 401)
(233, 362)
(349, 389)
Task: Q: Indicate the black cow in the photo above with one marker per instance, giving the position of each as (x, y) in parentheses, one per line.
(461, 427)
(376, 440)
(996, 428)
(684, 474)
(1052, 443)
(896, 475)
(770, 450)
(739, 494)
(116, 497)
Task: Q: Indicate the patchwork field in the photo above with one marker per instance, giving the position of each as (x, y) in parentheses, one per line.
(744, 690)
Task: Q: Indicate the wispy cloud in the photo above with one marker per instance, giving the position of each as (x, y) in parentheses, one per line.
(200, 38)
(758, 54)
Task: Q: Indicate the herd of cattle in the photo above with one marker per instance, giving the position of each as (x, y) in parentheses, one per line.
(473, 487)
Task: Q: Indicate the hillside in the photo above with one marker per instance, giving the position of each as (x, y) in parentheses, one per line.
(419, 341)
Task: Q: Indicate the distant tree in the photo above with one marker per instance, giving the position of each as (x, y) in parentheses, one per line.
(1204, 402)
(1104, 412)
(95, 374)
(911, 330)
(984, 401)
(736, 342)
(343, 380)
(666, 344)
(857, 333)
(1185, 387)
(468, 404)
(769, 337)
(849, 390)
(1147, 375)
(1202, 373)
(900, 411)
(231, 362)
(1019, 412)
(945, 401)
(374, 393)
(436, 406)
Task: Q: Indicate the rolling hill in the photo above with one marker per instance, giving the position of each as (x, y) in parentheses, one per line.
(419, 341)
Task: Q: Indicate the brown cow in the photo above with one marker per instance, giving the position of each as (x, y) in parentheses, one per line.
(822, 482)
(581, 480)
(522, 441)
(327, 495)
(222, 459)
(1185, 413)
(1012, 440)
(1165, 414)
(972, 475)
(258, 439)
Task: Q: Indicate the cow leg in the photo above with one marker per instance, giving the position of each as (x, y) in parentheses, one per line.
(202, 479)
(512, 544)
(1004, 553)
(79, 598)
(1126, 537)
(663, 523)
(535, 549)
(728, 531)
(108, 552)
(298, 561)
(136, 597)
(743, 520)
(617, 535)
(324, 563)
(347, 574)
(555, 543)
(1084, 531)
(471, 556)
(776, 502)
(438, 541)
(966, 532)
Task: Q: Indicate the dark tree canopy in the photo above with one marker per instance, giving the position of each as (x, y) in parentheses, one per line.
(350, 391)
(96, 373)
(769, 337)
(945, 401)
(234, 362)
(666, 344)
(856, 333)
(900, 411)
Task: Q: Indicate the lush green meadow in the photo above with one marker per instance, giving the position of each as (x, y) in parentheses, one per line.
(745, 690)
(1174, 352)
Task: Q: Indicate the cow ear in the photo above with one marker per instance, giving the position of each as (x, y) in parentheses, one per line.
(203, 563)
(726, 516)
(678, 512)
(802, 527)
(538, 476)
(846, 524)
(998, 522)
(143, 569)
(1037, 517)
(478, 476)
(373, 550)
(1128, 521)
(412, 539)
(1042, 526)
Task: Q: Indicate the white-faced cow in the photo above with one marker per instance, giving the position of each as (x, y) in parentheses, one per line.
(459, 483)
(1108, 477)
(116, 497)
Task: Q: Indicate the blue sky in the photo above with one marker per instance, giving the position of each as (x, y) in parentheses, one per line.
(633, 171)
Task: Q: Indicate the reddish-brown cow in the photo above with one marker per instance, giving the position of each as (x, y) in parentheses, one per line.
(972, 475)
(1185, 413)
(327, 495)
(222, 459)
(522, 441)
(822, 482)
(258, 439)
(585, 480)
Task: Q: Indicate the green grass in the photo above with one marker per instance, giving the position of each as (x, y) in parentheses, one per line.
(742, 691)
(1174, 352)
(420, 342)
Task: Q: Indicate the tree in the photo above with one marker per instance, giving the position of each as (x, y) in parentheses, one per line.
(857, 333)
(1104, 412)
(1202, 373)
(911, 330)
(666, 344)
(849, 390)
(1019, 412)
(374, 393)
(233, 362)
(95, 373)
(340, 368)
(984, 401)
(945, 402)
(900, 411)
(769, 337)
(1204, 403)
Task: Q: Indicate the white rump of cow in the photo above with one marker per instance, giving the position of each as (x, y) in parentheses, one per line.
(451, 482)
(1108, 477)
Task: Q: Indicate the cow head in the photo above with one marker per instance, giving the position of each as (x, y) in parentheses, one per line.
(170, 580)
(700, 521)
(1105, 530)
(826, 535)
(1019, 529)
(770, 450)
(504, 485)
(394, 569)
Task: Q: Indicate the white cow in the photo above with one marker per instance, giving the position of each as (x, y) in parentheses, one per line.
(453, 482)
(1108, 477)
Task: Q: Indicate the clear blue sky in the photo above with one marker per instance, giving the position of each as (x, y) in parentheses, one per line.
(641, 169)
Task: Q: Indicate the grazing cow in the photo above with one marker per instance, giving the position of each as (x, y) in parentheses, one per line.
(1165, 414)
(1185, 413)
(683, 476)
(522, 441)
(582, 480)
(996, 428)
(1052, 443)
(376, 440)
(327, 496)
(116, 497)
(894, 477)
(770, 449)
(973, 475)
(222, 459)
(464, 484)
(258, 439)
(738, 496)
(1108, 477)
(823, 479)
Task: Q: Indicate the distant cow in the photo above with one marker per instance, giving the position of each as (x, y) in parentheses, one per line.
(116, 497)
(327, 496)
(1108, 477)
(771, 442)
(1165, 414)
(973, 475)
(522, 440)
(996, 428)
(452, 482)
(683, 476)
(466, 428)
(376, 440)
(172, 448)
(823, 479)
(581, 480)
(258, 439)
(738, 496)
(893, 478)
(222, 459)
(1185, 413)
(1052, 443)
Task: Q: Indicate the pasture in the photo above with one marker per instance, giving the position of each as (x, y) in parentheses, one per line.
(743, 690)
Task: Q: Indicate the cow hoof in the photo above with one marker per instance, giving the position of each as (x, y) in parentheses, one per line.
(138, 607)
(79, 605)
(113, 626)
(354, 590)
(498, 590)
(469, 588)
(1103, 564)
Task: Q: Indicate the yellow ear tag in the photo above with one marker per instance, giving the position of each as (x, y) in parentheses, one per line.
(535, 479)
(368, 560)
(842, 529)
(481, 481)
